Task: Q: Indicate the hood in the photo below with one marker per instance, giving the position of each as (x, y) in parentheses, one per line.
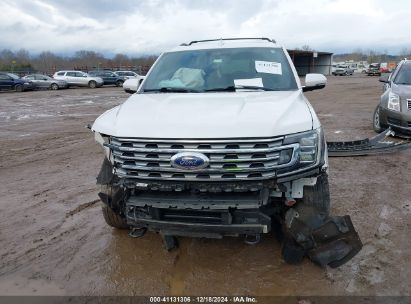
(208, 115)
(404, 91)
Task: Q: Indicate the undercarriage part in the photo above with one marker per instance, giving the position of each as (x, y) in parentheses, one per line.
(381, 143)
(137, 232)
(326, 241)
(169, 242)
(252, 239)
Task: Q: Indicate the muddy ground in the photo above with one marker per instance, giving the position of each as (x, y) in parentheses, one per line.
(53, 239)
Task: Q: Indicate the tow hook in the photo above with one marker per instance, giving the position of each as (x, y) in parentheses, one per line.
(137, 232)
(326, 240)
(253, 239)
(169, 242)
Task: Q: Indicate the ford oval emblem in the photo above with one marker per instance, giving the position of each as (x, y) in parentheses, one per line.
(189, 161)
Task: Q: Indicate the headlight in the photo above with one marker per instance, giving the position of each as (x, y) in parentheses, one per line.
(393, 102)
(309, 146)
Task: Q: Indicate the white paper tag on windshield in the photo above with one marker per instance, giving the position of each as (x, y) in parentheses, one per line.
(254, 82)
(268, 67)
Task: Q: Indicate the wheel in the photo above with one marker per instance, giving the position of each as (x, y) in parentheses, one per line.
(113, 219)
(18, 88)
(119, 83)
(318, 196)
(92, 84)
(377, 126)
(54, 87)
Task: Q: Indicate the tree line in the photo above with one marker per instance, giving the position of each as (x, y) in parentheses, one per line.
(47, 62)
(373, 56)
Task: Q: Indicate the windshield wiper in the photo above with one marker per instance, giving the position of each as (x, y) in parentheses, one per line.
(172, 90)
(241, 87)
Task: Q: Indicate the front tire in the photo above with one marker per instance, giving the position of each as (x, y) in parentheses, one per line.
(113, 219)
(54, 86)
(318, 196)
(119, 83)
(92, 84)
(18, 88)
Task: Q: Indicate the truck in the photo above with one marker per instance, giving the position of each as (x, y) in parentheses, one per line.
(219, 140)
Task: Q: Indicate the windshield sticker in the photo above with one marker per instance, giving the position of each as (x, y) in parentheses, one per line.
(254, 82)
(268, 67)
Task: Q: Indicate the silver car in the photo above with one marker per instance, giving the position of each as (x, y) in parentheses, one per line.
(79, 79)
(394, 109)
(43, 81)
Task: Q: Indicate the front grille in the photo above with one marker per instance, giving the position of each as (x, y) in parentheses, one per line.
(235, 159)
(409, 104)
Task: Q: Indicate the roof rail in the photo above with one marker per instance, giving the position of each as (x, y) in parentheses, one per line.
(223, 39)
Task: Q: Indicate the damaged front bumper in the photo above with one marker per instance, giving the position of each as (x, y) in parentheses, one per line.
(327, 241)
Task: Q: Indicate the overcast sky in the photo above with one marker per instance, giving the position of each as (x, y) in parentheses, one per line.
(151, 26)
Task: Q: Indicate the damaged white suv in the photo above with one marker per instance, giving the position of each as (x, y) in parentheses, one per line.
(219, 140)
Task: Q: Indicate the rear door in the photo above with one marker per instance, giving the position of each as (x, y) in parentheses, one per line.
(71, 78)
(109, 78)
(40, 81)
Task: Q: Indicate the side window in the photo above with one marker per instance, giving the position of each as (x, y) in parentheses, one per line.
(4, 77)
(61, 73)
(30, 77)
(71, 74)
(108, 74)
(79, 74)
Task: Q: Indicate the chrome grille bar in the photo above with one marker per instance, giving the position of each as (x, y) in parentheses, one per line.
(229, 160)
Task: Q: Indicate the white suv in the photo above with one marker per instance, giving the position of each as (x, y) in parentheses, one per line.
(219, 140)
(78, 78)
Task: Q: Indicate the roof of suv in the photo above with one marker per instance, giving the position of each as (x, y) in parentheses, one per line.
(226, 43)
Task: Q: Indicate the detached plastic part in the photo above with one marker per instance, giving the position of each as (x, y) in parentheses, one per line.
(332, 241)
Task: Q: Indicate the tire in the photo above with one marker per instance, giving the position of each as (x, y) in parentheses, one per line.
(113, 219)
(376, 122)
(291, 252)
(92, 84)
(119, 83)
(318, 196)
(18, 88)
(54, 86)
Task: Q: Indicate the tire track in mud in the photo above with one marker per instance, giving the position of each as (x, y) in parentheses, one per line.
(181, 270)
(82, 207)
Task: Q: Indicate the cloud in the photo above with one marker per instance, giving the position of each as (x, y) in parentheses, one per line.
(151, 26)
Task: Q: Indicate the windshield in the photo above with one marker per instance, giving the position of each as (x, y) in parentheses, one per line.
(221, 69)
(404, 75)
(13, 76)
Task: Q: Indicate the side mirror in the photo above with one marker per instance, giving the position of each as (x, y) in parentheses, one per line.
(314, 82)
(384, 78)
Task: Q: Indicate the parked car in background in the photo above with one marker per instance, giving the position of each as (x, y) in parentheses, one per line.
(131, 85)
(128, 74)
(9, 81)
(78, 78)
(374, 69)
(394, 109)
(343, 70)
(46, 82)
(362, 68)
(108, 77)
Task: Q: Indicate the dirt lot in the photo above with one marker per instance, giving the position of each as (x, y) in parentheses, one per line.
(54, 240)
